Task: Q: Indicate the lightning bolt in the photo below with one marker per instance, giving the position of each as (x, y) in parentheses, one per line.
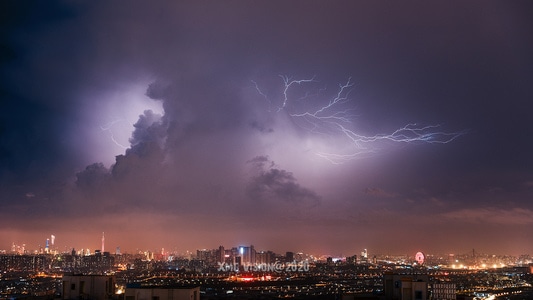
(332, 118)
(288, 83)
(107, 127)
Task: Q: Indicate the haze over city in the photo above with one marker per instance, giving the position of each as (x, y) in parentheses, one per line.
(319, 126)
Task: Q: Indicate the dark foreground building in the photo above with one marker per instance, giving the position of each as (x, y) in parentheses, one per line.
(94, 287)
(134, 292)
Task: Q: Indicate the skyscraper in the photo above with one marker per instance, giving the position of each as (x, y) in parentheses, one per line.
(221, 253)
(103, 241)
(247, 255)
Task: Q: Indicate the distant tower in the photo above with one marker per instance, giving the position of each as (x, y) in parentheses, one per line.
(103, 241)
(221, 254)
(47, 248)
(289, 257)
(52, 239)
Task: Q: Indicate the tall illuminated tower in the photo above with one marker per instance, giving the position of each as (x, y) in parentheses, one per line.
(103, 241)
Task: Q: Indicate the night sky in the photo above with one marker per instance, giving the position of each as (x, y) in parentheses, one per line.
(316, 126)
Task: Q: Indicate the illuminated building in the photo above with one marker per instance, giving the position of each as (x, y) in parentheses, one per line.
(247, 255)
(24, 262)
(351, 260)
(451, 259)
(364, 256)
(209, 257)
(263, 257)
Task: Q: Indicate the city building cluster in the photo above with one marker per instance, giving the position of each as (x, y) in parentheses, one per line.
(243, 272)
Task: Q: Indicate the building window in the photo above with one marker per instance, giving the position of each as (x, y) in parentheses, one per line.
(73, 286)
(418, 295)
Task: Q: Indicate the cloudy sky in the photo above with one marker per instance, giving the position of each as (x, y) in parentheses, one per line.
(316, 126)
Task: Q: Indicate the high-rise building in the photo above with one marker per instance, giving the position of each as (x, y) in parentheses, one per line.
(247, 255)
(289, 257)
(234, 255)
(103, 242)
(351, 260)
(364, 256)
(253, 253)
(451, 259)
(221, 255)
(244, 253)
(263, 257)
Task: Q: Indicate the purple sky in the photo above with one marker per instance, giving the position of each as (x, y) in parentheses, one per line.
(169, 124)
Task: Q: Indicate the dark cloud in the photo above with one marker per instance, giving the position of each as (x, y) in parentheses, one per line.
(260, 163)
(273, 184)
(260, 127)
(148, 129)
(92, 178)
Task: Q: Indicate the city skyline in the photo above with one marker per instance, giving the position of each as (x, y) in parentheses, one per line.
(309, 125)
(33, 248)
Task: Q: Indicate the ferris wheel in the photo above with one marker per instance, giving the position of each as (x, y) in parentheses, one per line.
(419, 257)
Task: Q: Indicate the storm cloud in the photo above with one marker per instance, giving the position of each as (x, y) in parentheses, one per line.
(165, 124)
(272, 183)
